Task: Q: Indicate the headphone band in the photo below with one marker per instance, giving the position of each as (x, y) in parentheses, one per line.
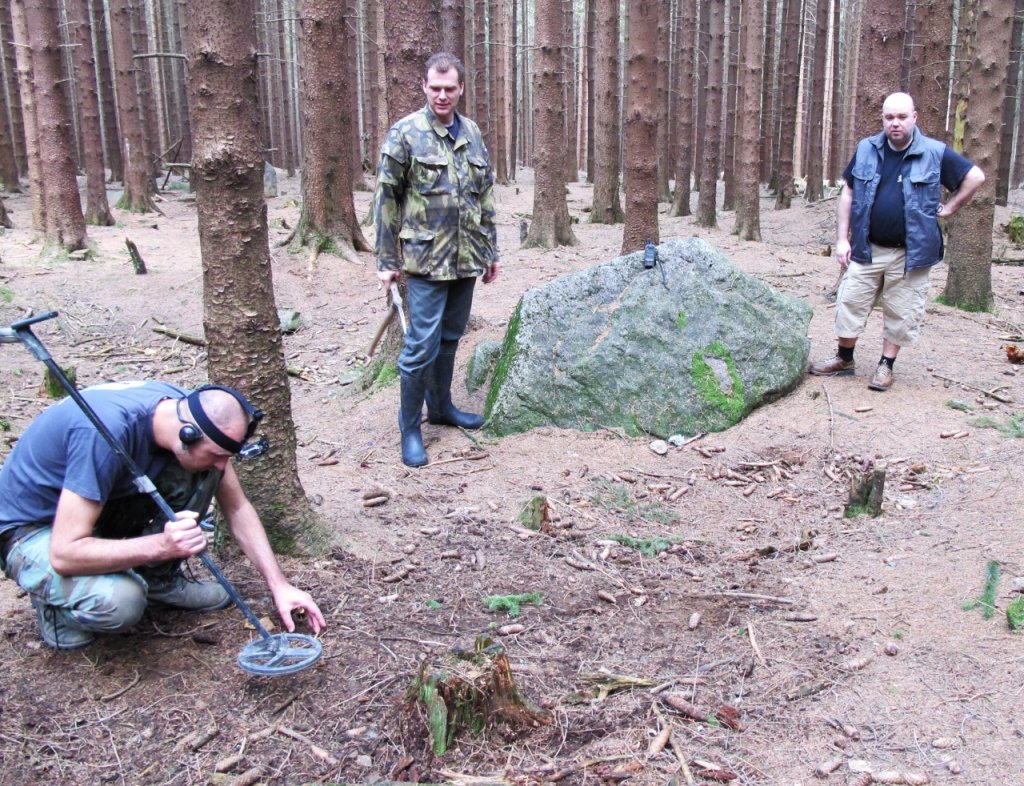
(206, 425)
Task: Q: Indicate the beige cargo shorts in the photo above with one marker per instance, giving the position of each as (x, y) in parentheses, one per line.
(901, 294)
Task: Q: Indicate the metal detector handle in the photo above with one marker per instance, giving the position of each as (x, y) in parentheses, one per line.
(22, 331)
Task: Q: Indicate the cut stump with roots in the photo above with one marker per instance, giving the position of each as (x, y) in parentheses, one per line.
(472, 690)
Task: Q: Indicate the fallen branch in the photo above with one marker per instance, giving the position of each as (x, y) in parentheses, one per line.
(183, 337)
(748, 596)
(990, 393)
(122, 691)
(315, 749)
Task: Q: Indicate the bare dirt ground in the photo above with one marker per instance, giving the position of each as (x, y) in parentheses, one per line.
(798, 605)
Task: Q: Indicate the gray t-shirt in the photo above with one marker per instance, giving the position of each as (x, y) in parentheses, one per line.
(62, 449)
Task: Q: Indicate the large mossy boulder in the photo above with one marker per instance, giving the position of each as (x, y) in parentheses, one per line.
(693, 344)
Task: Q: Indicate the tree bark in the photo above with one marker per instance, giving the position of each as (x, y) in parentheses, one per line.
(105, 88)
(607, 208)
(23, 57)
(732, 50)
(413, 35)
(65, 225)
(8, 161)
(138, 180)
(769, 89)
(328, 219)
(97, 211)
(816, 113)
(11, 74)
(879, 59)
(789, 70)
(240, 315)
(711, 160)
(1009, 106)
(986, 43)
(665, 168)
(550, 226)
(748, 165)
(641, 135)
(499, 95)
(453, 28)
(685, 34)
(929, 47)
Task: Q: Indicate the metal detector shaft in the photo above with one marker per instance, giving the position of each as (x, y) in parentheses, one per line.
(23, 331)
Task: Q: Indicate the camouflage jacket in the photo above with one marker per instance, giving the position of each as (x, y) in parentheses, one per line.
(434, 203)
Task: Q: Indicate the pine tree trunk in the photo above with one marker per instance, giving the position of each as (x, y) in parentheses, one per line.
(789, 69)
(731, 97)
(835, 137)
(499, 61)
(453, 28)
(572, 172)
(23, 57)
(661, 83)
(11, 73)
(97, 211)
(138, 180)
(413, 35)
(816, 113)
(986, 41)
(148, 100)
(8, 161)
(374, 131)
(685, 35)
(328, 218)
(769, 89)
(930, 49)
(1009, 106)
(105, 88)
(240, 316)
(881, 51)
(65, 225)
(748, 165)
(550, 226)
(607, 208)
(641, 136)
(711, 160)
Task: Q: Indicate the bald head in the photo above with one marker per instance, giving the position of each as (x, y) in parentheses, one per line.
(225, 411)
(899, 119)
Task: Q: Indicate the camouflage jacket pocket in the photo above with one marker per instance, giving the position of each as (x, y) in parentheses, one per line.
(428, 174)
(417, 245)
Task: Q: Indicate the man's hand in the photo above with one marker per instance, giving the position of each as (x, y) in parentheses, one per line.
(387, 276)
(843, 253)
(288, 599)
(183, 536)
(492, 272)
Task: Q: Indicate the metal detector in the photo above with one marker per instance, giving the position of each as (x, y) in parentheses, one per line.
(272, 655)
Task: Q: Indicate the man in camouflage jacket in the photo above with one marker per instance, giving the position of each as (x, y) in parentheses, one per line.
(434, 208)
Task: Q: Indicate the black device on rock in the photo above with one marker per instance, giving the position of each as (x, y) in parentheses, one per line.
(650, 255)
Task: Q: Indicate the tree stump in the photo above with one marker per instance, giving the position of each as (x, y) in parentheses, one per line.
(51, 387)
(472, 689)
(866, 491)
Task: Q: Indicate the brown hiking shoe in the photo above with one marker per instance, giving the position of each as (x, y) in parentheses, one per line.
(882, 380)
(833, 367)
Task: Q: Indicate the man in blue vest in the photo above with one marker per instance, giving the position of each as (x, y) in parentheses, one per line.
(887, 224)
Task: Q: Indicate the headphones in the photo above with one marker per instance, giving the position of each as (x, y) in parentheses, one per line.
(191, 433)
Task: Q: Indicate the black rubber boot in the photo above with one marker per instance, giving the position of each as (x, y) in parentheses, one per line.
(409, 417)
(440, 409)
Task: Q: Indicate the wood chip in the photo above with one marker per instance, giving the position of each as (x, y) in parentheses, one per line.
(800, 616)
(856, 664)
(827, 557)
(607, 597)
(578, 564)
(694, 621)
(863, 409)
(827, 767)
(374, 502)
(395, 577)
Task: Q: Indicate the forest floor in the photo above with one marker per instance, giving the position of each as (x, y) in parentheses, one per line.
(830, 638)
